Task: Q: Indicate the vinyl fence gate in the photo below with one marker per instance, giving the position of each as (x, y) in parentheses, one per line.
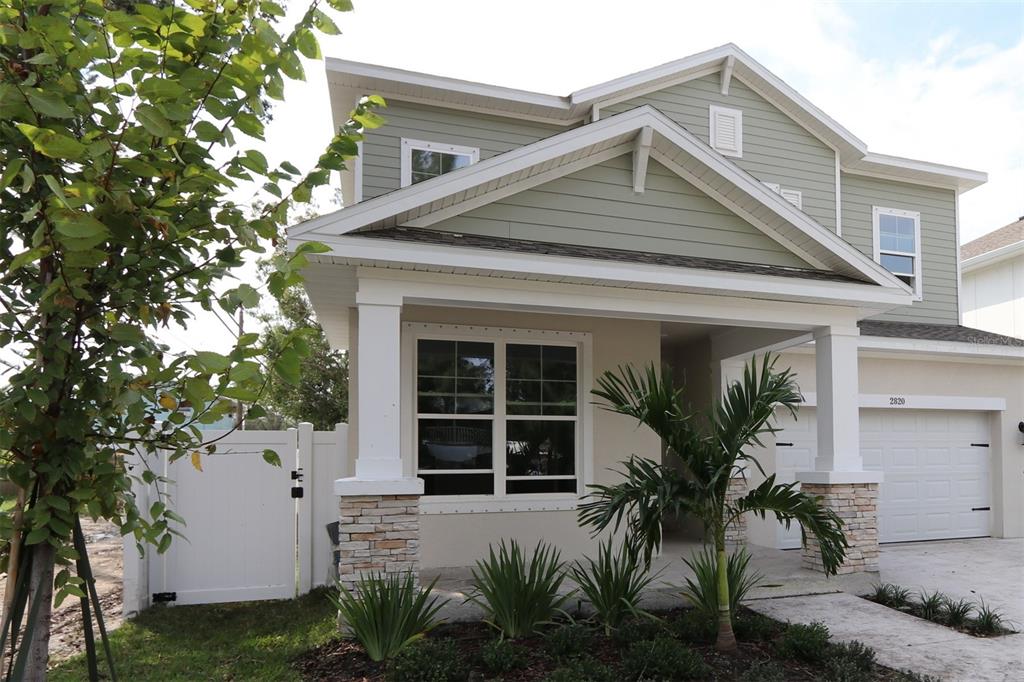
(254, 531)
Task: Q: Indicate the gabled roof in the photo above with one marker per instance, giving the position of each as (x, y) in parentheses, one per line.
(431, 201)
(936, 332)
(579, 105)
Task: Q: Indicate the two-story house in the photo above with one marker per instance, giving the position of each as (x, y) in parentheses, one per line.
(992, 268)
(500, 248)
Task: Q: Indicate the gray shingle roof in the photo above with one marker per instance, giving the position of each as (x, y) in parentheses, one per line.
(936, 332)
(472, 241)
(996, 239)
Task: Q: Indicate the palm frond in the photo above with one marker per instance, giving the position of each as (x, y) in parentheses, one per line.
(788, 505)
(649, 494)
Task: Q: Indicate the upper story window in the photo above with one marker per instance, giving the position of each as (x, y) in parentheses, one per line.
(497, 417)
(424, 160)
(726, 130)
(898, 244)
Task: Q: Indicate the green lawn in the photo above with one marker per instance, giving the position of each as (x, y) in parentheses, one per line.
(249, 641)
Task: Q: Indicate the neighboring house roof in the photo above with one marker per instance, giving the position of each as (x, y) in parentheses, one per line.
(935, 332)
(643, 129)
(729, 60)
(435, 237)
(1004, 236)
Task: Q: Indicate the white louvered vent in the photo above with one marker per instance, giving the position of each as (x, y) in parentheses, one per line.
(727, 130)
(793, 196)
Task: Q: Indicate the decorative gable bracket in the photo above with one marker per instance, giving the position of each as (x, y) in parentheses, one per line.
(641, 154)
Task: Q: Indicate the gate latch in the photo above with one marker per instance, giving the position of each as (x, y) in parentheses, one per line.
(297, 474)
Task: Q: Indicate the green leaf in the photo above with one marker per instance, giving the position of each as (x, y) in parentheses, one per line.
(306, 41)
(10, 172)
(26, 257)
(210, 362)
(37, 535)
(153, 121)
(271, 457)
(48, 103)
(78, 225)
(324, 23)
(52, 144)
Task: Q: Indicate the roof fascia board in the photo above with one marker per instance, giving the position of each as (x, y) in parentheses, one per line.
(446, 83)
(986, 350)
(627, 275)
(887, 167)
(992, 257)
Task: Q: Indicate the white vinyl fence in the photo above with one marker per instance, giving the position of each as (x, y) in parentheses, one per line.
(247, 536)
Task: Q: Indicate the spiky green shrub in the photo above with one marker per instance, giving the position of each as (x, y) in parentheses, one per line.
(929, 605)
(989, 621)
(702, 590)
(613, 583)
(957, 612)
(386, 614)
(516, 595)
(890, 595)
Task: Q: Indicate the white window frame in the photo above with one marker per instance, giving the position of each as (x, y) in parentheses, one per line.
(500, 501)
(409, 145)
(876, 213)
(713, 110)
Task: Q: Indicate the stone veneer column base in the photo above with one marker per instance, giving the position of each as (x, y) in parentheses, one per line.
(857, 505)
(736, 532)
(378, 535)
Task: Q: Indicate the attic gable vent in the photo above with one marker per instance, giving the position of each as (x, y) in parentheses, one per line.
(727, 130)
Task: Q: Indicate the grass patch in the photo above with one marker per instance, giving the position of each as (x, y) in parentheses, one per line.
(246, 641)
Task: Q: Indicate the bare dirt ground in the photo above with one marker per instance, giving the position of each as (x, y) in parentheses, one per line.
(104, 544)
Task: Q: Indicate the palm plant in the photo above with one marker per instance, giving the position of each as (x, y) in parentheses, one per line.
(712, 450)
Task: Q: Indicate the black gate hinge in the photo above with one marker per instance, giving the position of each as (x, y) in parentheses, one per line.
(162, 597)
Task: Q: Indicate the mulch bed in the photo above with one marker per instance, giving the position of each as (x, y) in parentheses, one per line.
(342, 660)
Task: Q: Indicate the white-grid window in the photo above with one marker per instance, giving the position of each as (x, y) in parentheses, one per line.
(425, 160)
(497, 417)
(726, 130)
(897, 235)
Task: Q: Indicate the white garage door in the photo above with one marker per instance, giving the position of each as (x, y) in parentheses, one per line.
(936, 465)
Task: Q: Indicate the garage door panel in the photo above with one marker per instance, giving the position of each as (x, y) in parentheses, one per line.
(934, 478)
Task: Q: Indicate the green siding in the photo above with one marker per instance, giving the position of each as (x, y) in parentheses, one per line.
(775, 148)
(597, 207)
(490, 134)
(938, 239)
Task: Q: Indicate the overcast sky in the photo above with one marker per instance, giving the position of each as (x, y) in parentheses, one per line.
(935, 81)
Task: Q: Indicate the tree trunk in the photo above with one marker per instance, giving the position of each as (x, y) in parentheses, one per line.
(43, 557)
(726, 639)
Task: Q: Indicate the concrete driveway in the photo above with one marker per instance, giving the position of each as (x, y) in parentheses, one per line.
(984, 568)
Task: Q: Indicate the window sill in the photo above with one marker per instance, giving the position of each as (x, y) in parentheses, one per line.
(455, 505)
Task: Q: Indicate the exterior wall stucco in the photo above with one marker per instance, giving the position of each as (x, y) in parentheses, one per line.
(461, 539)
(939, 376)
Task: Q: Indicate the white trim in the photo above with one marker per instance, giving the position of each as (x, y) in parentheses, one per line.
(922, 346)
(650, 277)
(839, 477)
(839, 198)
(715, 112)
(727, 67)
(876, 213)
(959, 260)
(357, 174)
(408, 145)
(361, 486)
(501, 337)
(920, 402)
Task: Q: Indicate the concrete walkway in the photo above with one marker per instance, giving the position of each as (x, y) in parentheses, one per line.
(987, 568)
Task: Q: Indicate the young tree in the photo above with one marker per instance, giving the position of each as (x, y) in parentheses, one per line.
(120, 129)
(711, 450)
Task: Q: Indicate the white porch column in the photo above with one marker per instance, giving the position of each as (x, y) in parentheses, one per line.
(379, 508)
(839, 477)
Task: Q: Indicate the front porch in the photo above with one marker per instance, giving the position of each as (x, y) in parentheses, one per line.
(705, 337)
